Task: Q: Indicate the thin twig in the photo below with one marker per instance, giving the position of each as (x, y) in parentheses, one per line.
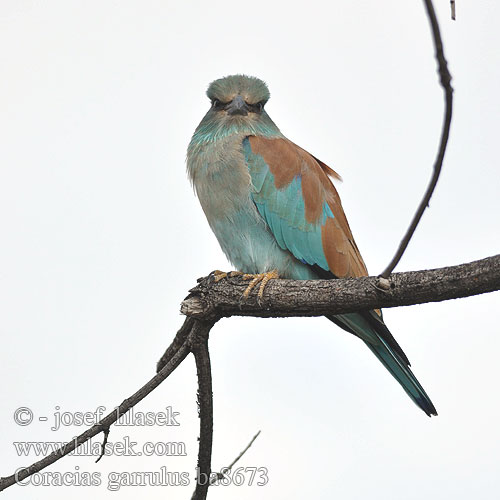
(227, 469)
(453, 13)
(104, 442)
(199, 348)
(177, 356)
(445, 79)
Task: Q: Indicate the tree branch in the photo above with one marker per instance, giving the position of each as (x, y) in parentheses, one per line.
(282, 298)
(177, 355)
(445, 79)
(205, 404)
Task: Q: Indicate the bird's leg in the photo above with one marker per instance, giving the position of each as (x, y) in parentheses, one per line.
(219, 275)
(262, 278)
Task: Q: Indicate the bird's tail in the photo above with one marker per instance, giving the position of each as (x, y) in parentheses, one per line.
(370, 327)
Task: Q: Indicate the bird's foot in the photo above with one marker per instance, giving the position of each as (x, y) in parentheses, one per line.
(220, 275)
(262, 278)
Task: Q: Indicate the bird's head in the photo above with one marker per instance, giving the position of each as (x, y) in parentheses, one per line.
(237, 106)
(238, 95)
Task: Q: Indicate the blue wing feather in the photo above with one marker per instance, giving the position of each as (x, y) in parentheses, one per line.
(284, 212)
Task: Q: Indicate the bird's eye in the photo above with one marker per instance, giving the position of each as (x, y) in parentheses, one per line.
(216, 103)
(257, 107)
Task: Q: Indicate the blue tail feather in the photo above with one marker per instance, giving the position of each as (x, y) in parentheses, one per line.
(369, 329)
(404, 376)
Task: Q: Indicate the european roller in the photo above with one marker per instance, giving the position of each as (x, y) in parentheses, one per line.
(276, 213)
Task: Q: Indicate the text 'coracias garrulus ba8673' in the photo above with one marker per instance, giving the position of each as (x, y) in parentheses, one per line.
(276, 213)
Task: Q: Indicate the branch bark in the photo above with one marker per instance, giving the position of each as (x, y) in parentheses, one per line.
(282, 298)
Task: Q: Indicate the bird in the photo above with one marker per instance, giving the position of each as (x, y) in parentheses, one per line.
(276, 213)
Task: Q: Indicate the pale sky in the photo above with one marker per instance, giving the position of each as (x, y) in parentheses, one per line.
(102, 237)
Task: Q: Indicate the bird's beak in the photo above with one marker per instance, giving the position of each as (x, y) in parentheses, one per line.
(237, 107)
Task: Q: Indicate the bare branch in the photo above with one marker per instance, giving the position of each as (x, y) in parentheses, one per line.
(177, 356)
(284, 298)
(227, 469)
(445, 79)
(199, 346)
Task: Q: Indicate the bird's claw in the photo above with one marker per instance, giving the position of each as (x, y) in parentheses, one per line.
(219, 275)
(262, 278)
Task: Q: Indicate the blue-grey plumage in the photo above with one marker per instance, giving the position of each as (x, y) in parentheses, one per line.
(272, 206)
(217, 168)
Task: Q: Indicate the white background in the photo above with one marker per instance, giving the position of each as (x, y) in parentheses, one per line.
(101, 238)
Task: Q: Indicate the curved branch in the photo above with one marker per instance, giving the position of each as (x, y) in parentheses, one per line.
(319, 297)
(445, 79)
